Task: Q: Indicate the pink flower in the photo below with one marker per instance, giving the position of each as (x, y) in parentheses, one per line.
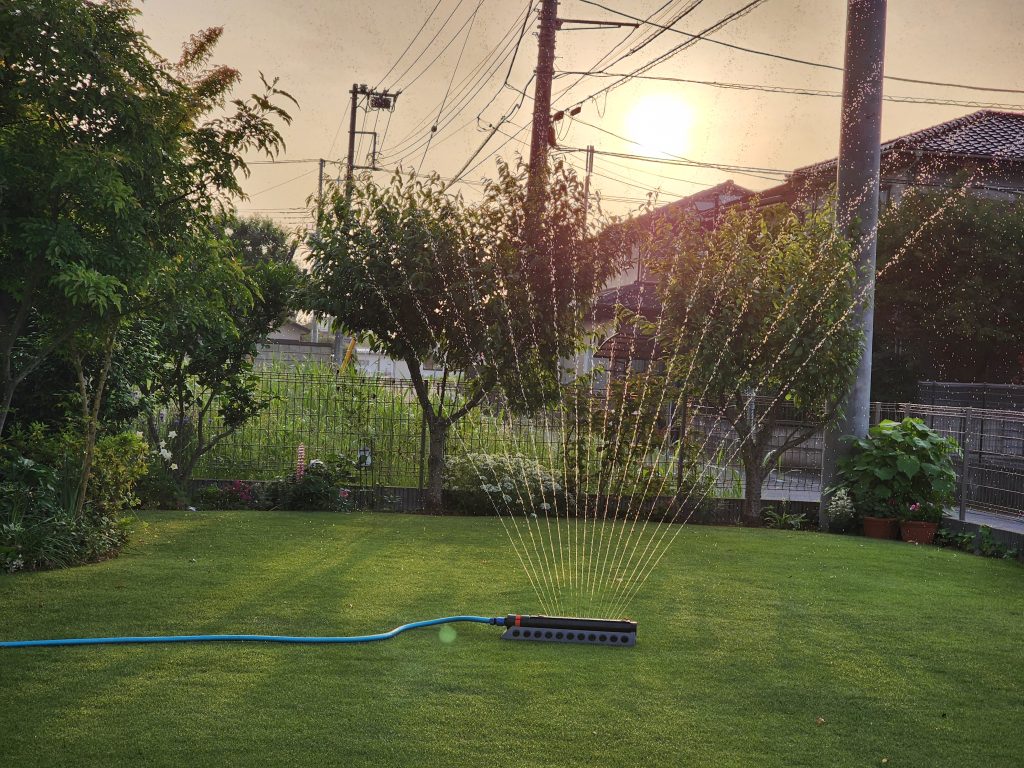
(343, 493)
(915, 507)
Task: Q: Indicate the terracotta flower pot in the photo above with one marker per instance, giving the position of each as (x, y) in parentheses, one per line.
(918, 531)
(880, 527)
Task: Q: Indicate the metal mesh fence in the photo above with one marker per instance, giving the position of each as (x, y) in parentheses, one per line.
(377, 423)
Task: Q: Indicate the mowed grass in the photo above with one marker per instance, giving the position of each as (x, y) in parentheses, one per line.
(756, 648)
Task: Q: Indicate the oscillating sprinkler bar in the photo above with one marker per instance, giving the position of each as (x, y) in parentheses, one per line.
(563, 629)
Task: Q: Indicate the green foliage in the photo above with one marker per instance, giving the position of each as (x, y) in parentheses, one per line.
(482, 484)
(201, 358)
(324, 485)
(783, 518)
(948, 298)
(38, 525)
(760, 306)
(490, 293)
(120, 461)
(158, 488)
(120, 160)
(900, 465)
(841, 512)
(981, 542)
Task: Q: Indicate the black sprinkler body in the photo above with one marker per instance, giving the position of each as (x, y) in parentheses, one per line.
(563, 629)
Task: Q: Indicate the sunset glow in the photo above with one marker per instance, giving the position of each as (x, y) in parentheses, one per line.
(661, 125)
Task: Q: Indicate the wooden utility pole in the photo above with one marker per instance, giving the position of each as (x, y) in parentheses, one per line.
(542, 109)
(857, 209)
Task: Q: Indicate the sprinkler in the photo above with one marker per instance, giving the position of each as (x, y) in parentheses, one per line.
(545, 628)
(562, 629)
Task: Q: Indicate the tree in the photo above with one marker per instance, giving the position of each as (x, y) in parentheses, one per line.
(238, 291)
(756, 321)
(425, 276)
(119, 159)
(950, 293)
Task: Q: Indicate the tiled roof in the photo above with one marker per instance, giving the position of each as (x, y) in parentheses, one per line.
(987, 134)
(626, 346)
(708, 199)
(640, 296)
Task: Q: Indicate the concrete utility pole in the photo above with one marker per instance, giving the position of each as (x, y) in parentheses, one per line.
(542, 107)
(857, 207)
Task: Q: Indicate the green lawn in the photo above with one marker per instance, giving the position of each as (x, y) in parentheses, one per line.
(747, 638)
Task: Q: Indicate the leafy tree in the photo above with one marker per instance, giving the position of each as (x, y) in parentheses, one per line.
(219, 307)
(950, 295)
(427, 277)
(755, 325)
(113, 163)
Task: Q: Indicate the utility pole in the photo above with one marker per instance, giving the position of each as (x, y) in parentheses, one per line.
(586, 186)
(541, 111)
(314, 332)
(372, 99)
(857, 209)
(356, 92)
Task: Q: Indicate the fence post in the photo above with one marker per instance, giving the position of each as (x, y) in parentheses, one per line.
(681, 458)
(965, 462)
(876, 413)
(423, 450)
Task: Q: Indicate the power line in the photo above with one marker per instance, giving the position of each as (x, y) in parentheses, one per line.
(781, 57)
(746, 170)
(426, 48)
(411, 42)
(800, 91)
(289, 181)
(448, 90)
(467, 91)
(676, 159)
(737, 14)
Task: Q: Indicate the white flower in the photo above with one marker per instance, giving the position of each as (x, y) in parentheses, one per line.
(138, 434)
(315, 463)
(545, 506)
(163, 443)
(171, 435)
(174, 466)
(166, 454)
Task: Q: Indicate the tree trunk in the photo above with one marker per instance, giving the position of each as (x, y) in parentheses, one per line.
(753, 477)
(5, 407)
(436, 464)
(91, 414)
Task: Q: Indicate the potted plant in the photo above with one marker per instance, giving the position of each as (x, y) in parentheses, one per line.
(920, 521)
(901, 464)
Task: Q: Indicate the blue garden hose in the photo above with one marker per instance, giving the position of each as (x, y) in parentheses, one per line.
(499, 621)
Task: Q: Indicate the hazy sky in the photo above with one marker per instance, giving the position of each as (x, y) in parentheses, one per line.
(318, 48)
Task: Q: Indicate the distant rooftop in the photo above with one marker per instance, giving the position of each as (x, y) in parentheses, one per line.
(988, 134)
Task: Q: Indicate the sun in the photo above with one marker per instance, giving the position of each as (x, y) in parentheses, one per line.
(660, 124)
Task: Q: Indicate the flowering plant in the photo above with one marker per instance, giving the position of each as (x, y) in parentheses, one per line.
(898, 465)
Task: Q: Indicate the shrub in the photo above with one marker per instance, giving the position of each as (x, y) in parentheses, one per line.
(322, 486)
(120, 461)
(158, 489)
(38, 525)
(840, 512)
(782, 518)
(898, 465)
(482, 483)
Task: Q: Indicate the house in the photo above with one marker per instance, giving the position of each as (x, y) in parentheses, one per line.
(983, 152)
(980, 154)
(635, 289)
